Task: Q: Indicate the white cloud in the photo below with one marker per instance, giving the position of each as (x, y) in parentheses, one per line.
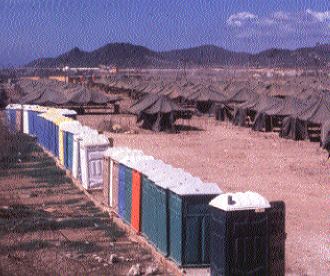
(238, 19)
(319, 16)
(281, 24)
(281, 15)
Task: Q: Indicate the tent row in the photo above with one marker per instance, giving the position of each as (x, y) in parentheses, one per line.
(297, 119)
(53, 93)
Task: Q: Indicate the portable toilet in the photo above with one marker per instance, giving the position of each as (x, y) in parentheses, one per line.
(9, 117)
(189, 222)
(69, 129)
(58, 119)
(111, 175)
(163, 179)
(77, 138)
(130, 191)
(26, 109)
(239, 234)
(123, 183)
(92, 147)
(153, 214)
(17, 117)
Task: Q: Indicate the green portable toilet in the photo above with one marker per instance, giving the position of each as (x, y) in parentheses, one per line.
(239, 238)
(189, 222)
(150, 198)
(157, 178)
(158, 189)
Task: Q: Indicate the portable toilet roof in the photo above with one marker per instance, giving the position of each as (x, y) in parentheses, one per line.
(67, 112)
(85, 130)
(149, 167)
(14, 106)
(120, 155)
(240, 201)
(71, 126)
(113, 151)
(131, 159)
(94, 139)
(196, 188)
(58, 120)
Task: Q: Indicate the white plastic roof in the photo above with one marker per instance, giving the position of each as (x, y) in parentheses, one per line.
(14, 106)
(71, 126)
(113, 151)
(240, 201)
(196, 188)
(132, 158)
(90, 139)
(66, 111)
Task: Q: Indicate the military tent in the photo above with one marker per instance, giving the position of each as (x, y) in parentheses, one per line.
(224, 111)
(157, 112)
(273, 115)
(249, 109)
(315, 113)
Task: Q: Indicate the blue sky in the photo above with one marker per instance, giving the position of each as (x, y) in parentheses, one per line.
(31, 29)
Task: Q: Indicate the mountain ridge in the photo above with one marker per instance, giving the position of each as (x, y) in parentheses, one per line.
(126, 55)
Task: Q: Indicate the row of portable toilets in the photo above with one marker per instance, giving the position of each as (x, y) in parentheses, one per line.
(193, 223)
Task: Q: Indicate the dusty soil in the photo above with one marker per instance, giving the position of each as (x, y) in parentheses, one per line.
(49, 227)
(239, 159)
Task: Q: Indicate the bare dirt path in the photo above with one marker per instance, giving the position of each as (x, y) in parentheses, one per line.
(49, 227)
(239, 159)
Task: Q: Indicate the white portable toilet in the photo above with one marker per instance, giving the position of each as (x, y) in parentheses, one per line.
(92, 148)
(76, 162)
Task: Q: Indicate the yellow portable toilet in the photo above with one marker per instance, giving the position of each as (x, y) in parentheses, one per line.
(57, 121)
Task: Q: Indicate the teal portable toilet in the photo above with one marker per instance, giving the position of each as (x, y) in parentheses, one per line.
(156, 180)
(149, 200)
(189, 222)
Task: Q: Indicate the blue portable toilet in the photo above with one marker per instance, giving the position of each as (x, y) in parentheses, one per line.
(239, 234)
(69, 129)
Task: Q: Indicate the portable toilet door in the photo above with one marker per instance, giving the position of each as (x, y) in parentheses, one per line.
(128, 194)
(77, 156)
(159, 214)
(188, 209)
(121, 191)
(61, 147)
(19, 119)
(69, 150)
(65, 158)
(12, 114)
(25, 121)
(239, 235)
(114, 186)
(95, 177)
(147, 210)
(136, 201)
(277, 237)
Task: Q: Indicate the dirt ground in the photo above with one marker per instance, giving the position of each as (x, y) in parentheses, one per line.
(49, 227)
(239, 159)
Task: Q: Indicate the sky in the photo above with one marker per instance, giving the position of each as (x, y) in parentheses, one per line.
(31, 29)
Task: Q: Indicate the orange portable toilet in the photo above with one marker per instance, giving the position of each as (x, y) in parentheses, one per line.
(136, 201)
